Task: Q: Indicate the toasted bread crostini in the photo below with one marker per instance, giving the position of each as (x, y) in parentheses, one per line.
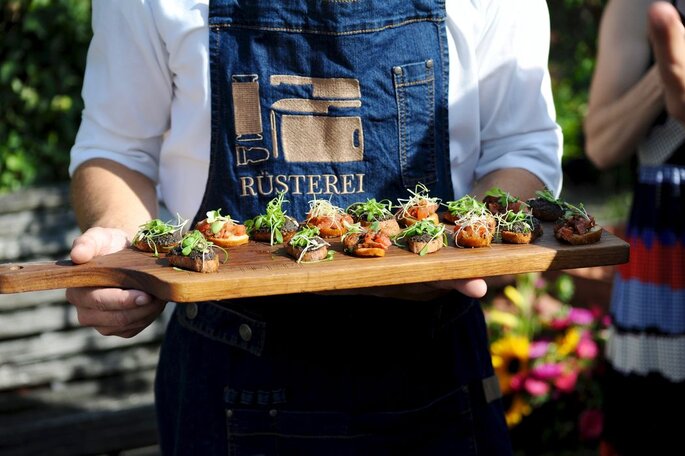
(157, 236)
(274, 226)
(307, 246)
(194, 253)
(497, 201)
(546, 207)
(519, 227)
(373, 212)
(474, 225)
(418, 207)
(423, 237)
(368, 241)
(329, 219)
(577, 227)
(221, 230)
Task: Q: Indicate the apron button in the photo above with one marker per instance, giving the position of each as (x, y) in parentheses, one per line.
(397, 70)
(191, 311)
(245, 332)
(429, 63)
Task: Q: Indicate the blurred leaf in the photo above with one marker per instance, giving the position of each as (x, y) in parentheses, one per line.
(42, 59)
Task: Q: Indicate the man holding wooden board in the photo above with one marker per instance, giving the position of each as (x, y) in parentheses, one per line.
(224, 106)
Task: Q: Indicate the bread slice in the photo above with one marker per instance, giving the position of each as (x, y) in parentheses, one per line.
(317, 254)
(196, 261)
(229, 241)
(566, 234)
(416, 244)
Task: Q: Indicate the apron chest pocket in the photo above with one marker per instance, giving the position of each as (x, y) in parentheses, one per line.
(415, 94)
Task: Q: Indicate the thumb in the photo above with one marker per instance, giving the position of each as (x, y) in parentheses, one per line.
(96, 242)
(666, 34)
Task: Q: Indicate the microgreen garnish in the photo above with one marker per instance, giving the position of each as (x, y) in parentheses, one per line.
(548, 196)
(420, 228)
(466, 207)
(150, 232)
(371, 210)
(323, 208)
(579, 211)
(510, 219)
(419, 197)
(307, 238)
(353, 228)
(217, 221)
(194, 241)
(504, 198)
(274, 219)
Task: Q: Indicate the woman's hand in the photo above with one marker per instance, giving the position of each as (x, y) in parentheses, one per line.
(111, 311)
(667, 36)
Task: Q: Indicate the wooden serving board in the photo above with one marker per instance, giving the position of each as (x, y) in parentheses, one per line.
(257, 269)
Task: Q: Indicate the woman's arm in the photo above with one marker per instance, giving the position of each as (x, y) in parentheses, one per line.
(625, 95)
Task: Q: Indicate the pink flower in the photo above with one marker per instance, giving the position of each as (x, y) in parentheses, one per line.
(547, 371)
(560, 324)
(536, 387)
(566, 382)
(587, 347)
(590, 424)
(516, 382)
(538, 349)
(581, 317)
(606, 320)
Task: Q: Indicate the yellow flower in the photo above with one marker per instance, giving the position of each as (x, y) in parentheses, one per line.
(569, 342)
(509, 357)
(514, 295)
(517, 410)
(501, 318)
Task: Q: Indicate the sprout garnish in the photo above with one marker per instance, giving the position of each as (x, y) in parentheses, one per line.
(504, 198)
(579, 211)
(419, 197)
(307, 238)
(195, 241)
(467, 207)
(420, 228)
(153, 230)
(510, 219)
(548, 196)
(323, 208)
(217, 221)
(274, 219)
(371, 210)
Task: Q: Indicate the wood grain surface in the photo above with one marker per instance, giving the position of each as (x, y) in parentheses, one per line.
(257, 269)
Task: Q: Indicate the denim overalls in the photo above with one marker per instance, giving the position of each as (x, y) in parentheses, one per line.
(343, 100)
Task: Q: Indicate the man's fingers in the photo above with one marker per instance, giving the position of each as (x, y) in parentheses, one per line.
(95, 242)
(108, 299)
(473, 288)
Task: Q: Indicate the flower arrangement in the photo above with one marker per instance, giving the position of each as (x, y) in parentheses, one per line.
(545, 351)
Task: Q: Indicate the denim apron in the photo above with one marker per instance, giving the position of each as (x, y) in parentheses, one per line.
(344, 100)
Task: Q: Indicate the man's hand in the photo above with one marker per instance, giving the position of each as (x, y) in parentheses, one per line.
(423, 291)
(111, 311)
(667, 36)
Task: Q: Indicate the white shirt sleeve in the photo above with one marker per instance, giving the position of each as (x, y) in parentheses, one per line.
(127, 89)
(518, 120)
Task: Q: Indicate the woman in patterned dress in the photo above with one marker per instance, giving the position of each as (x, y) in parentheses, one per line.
(635, 106)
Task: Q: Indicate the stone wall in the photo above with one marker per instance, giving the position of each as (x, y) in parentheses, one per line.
(65, 389)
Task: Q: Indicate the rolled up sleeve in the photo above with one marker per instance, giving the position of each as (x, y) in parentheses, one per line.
(518, 119)
(127, 89)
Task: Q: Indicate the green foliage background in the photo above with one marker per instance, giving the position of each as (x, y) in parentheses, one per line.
(42, 56)
(43, 48)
